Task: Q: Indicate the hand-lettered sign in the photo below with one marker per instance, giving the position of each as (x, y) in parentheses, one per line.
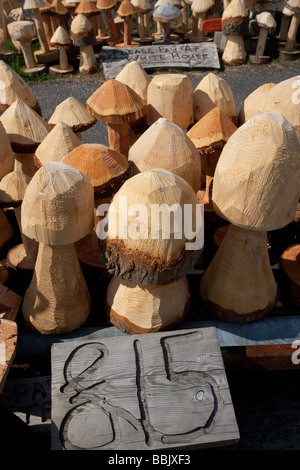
(189, 56)
(153, 391)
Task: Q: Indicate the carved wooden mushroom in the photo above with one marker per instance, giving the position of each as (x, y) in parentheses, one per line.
(139, 247)
(256, 188)
(107, 170)
(266, 22)
(83, 37)
(284, 98)
(6, 154)
(117, 105)
(235, 20)
(43, 55)
(159, 33)
(166, 14)
(60, 141)
(57, 211)
(149, 268)
(127, 11)
(199, 9)
(108, 6)
(24, 32)
(209, 136)
(25, 130)
(165, 145)
(73, 113)
(13, 86)
(170, 96)
(213, 91)
(89, 9)
(252, 104)
(292, 8)
(61, 40)
(143, 8)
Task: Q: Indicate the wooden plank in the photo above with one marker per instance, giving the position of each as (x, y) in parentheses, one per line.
(155, 391)
(8, 344)
(30, 400)
(188, 56)
(9, 303)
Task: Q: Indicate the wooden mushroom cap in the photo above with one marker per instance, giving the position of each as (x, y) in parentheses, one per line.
(24, 127)
(281, 98)
(73, 113)
(256, 182)
(55, 7)
(165, 145)
(151, 258)
(82, 32)
(212, 131)
(126, 9)
(106, 4)
(58, 206)
(213, 91)
(266, 20)
(252, 104)
(142, 6)
(33, 4)
(166, 13)
(134, 76)
(59, 142)
(106, 168)
(115, 102)
(13, 86)
(87, 7)
(177, 3)
(60, 37)
(235, 18)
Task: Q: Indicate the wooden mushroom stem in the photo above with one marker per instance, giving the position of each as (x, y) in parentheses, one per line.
(88, 62)
(127, 30)
(292, 32)
(63, 58)
(38, 21)
(118, 137)
(112, 26)
(239, 285)
(198, 19)
(30, 247)
(51, 304)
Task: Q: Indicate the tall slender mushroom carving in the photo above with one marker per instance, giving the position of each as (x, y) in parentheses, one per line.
(292, 8)
(256, 188)
(266, 22)
(116, 104)
(108, 6)
(235, 21)
(199, 9)
(57, 211)
(62, 41)
(166, 14)
(83, 37)
(127, 11)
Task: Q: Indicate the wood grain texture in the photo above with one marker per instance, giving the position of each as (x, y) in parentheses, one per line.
(156, 391)
(8, 344)
(9, 303)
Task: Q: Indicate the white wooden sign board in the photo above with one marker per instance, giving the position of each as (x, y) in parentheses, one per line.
(189, 56)
(153, 391)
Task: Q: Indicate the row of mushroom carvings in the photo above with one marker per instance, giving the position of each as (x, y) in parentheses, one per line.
(67, 29)
(68, 201)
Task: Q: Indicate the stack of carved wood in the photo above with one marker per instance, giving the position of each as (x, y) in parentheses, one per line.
(125, 221)
(68, 30)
